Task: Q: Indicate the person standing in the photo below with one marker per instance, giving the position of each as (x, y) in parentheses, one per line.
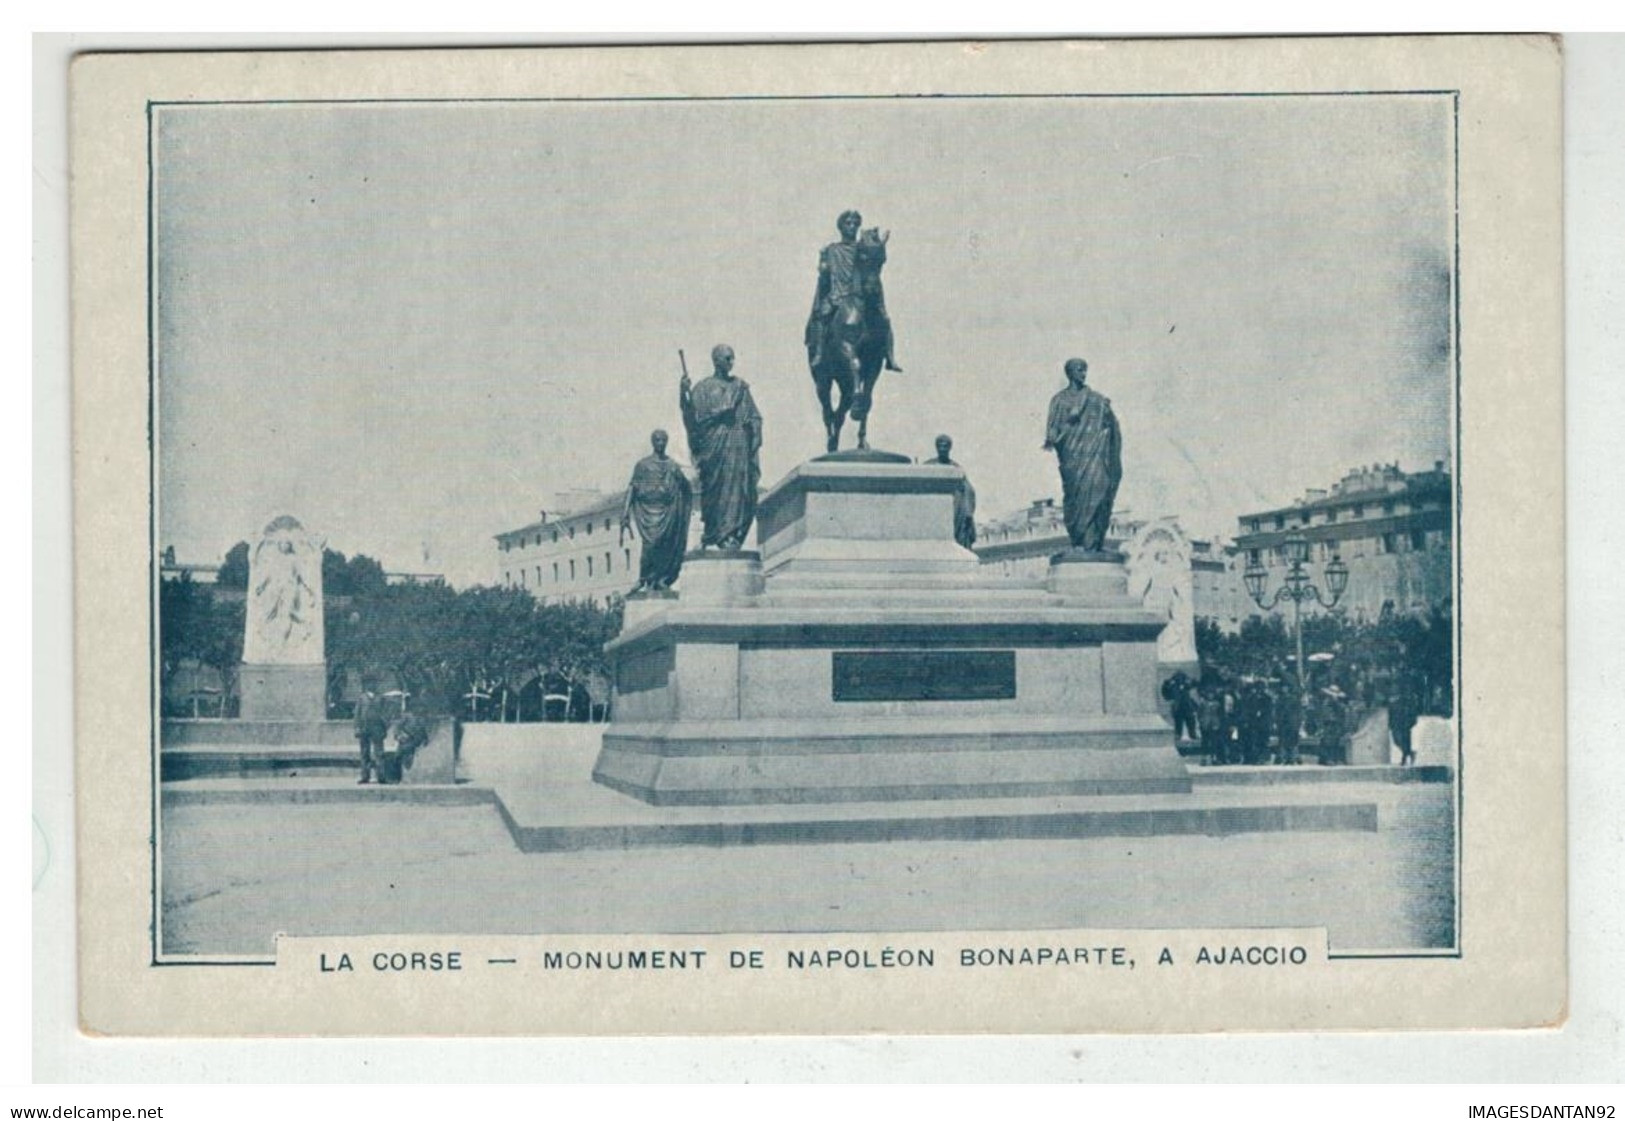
(1289, 723)
(1178, 692)
(725, 442)
(1229, 724)
(1252, 727)
(1211, 719)
(659, 499)
(1402, 715)
(371, 726)
(1334, 726)
(1082, 431)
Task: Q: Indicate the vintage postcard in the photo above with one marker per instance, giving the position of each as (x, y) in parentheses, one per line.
(939, 537)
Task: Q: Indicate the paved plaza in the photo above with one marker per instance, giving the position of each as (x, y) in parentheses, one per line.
(235, 874)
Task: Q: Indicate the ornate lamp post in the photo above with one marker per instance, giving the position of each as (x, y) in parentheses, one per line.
(1298, 588)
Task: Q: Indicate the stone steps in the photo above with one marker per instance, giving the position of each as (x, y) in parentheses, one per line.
(255, 761)
(581, 816)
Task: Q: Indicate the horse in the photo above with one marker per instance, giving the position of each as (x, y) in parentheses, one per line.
(848, 348)
(852, 356)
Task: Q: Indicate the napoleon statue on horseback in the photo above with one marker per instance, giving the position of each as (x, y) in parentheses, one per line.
(849, 336)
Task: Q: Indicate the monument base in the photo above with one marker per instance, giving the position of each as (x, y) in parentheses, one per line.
(755, 762)
(283, 692)
(864, 656)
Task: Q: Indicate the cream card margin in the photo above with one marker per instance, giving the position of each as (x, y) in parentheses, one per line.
(1512, 968)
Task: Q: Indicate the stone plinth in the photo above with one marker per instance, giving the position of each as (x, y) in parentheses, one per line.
(863, 517)
(716, 577)
(866, 657)
(636, 608)
(283, 692)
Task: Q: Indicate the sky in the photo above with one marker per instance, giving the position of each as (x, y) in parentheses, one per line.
(410, 325)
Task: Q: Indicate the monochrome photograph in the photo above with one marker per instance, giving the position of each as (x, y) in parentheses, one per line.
(581, 525)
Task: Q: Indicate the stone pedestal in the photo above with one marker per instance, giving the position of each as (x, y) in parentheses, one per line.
(1434, 741)
(717, 578)
(866, 657)
(283, 692)
(636, 608)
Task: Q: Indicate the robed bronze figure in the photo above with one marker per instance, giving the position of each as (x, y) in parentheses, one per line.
(849, 335)
(659, 501)
(1083, 433)
(725, 441)
(964, 500)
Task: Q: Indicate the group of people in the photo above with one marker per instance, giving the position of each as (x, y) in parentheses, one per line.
(1267, 720)
(374, 719)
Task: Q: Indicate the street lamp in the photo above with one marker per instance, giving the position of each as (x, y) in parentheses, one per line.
(1298, 588)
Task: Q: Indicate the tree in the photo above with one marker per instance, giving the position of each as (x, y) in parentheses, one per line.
(234, 569)
(363, 575)
(193, 624)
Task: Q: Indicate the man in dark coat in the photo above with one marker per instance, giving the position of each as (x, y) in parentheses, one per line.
(1289, 722)
(1212, 722)
(371, 726)
(1255, 720)
(1402, 713)
(658, 499)
(1177, 691)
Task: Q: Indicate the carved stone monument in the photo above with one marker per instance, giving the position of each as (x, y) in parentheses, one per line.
(866, 657)
(1159, 575)
(284, 670)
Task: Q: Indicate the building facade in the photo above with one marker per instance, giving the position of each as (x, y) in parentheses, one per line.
(576, 555)
(1392, 529)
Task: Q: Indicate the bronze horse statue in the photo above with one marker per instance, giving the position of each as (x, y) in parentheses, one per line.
(849, 336)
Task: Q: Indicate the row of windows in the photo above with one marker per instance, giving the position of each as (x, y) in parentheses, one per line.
(1416, 541)
(1332, 515)
(569, 531)
(559, 573)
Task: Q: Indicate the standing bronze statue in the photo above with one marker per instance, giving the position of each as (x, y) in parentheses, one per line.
(659, 500)
(1083, 433)
(849, 335)
(964, 501)
(725, 441)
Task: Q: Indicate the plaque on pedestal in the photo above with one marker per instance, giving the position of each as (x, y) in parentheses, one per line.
(866, 657)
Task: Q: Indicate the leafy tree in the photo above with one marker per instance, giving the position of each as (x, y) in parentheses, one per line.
(194, 624)
(234, 569)
(335, 573)
(363, 575)
(1395, 651)
(438, 642)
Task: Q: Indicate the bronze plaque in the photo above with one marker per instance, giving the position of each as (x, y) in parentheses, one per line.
(925, 675)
